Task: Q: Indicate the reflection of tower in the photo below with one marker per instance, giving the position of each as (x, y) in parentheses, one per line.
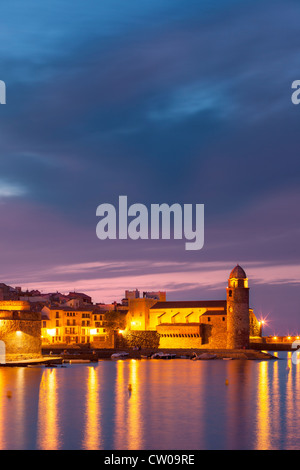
(238, 322)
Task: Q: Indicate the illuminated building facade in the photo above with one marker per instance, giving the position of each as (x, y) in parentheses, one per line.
(138, 317)
(20, 330)
(73, 325)
(219, 324)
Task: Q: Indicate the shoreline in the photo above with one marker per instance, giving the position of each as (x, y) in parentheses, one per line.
(71, 355)
(96, 354)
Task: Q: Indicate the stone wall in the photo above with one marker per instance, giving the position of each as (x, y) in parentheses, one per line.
(21, 334)
(7, 305)
(182, 335)
(210, 333)
(104, 341)
(214, 331)
(19, 315)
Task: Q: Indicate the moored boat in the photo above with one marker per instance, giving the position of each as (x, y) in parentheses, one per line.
(161, 355)
(204, 357)
(79, 361)
(119, 355)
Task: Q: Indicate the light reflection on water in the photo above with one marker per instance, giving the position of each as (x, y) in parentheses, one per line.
(152, 404)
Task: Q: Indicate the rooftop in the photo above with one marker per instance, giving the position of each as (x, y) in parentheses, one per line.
(191, 304)
(238, 273)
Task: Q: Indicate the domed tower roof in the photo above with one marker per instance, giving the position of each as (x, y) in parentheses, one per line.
(238, 273)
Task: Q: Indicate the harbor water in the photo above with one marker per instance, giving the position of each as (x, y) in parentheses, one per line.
(152, 404)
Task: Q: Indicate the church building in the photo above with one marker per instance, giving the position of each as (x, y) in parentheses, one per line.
(215, 324)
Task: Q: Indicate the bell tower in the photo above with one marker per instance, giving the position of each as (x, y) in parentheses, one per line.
(238, 321)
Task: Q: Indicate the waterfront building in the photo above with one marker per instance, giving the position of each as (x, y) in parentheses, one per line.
(228, 323)
(73, 324)
(20, 330)
(138, 315)
(69, 319)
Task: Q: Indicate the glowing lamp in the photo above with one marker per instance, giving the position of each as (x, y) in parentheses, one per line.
(51, 332)
(18, 333)
(93, 331)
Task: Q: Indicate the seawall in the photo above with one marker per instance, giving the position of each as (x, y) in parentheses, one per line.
(95, 354)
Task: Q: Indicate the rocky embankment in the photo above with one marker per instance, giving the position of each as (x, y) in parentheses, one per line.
(94, 355)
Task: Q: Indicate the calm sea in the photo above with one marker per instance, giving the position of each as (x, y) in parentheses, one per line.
(176, 404)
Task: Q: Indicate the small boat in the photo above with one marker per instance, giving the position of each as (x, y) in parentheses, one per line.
(119, 355)
(227, 358)
(204, 357)
(79, 361)
(161, 355)
(156, 355)
(168, 356)
(35, 365)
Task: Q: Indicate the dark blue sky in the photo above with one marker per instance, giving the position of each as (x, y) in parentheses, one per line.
(162, 101)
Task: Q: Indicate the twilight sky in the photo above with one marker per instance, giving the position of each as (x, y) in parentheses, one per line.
(165, 102)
